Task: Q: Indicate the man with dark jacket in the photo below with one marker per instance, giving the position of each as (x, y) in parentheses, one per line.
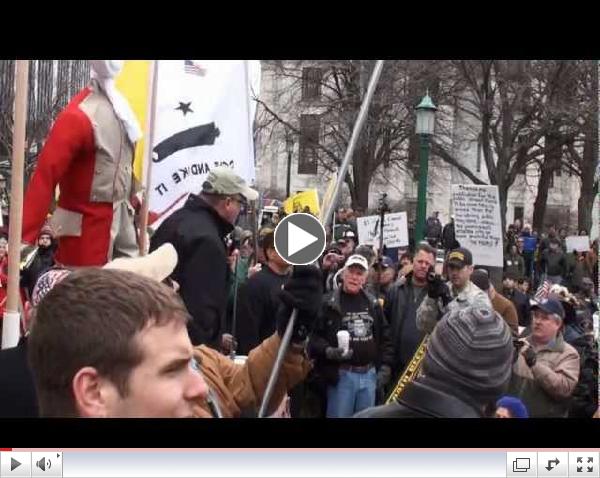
(197, 231)
(353, 375)
(554, 263)
(433, 229)
(259, 299)
(42, 262)
(401, 306)
(466, 368)
(518, 298)
(449, 241)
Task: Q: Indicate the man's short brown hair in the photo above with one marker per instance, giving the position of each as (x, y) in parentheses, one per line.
(91, 319)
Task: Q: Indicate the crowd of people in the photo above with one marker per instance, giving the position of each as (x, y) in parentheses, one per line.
(193, 328)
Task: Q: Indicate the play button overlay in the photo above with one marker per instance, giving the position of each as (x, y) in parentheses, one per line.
(299, 239)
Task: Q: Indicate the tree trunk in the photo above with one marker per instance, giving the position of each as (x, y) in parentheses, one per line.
(539, 207)
(360, 195)
(552, 157)
(587, 196)
(589, 162)
(503, 198)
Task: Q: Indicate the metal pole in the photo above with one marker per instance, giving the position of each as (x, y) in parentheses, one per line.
(235, 294)
(285, 340)
(148, 144)
(11, 323)
(289, 174)
(422, 193)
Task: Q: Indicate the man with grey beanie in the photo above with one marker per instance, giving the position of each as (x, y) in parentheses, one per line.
(467, 367)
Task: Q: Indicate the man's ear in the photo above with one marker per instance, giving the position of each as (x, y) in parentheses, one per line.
(93, 394)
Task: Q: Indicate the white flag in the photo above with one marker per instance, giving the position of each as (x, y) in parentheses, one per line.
(203, 120)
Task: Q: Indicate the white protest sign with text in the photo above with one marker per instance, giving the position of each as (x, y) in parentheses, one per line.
(477, 222)
(395, 230)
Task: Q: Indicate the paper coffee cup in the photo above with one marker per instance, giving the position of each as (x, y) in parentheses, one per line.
(343, 338)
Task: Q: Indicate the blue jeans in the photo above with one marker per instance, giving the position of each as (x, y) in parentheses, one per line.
(354, 392)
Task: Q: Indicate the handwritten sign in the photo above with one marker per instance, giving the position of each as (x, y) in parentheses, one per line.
(477, 222)
(395, 230)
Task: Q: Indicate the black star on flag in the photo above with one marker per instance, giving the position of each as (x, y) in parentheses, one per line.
(185, 108)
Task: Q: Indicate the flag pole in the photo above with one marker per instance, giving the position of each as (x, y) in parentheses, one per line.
(287, 336)
(147, 164)
(11, 323)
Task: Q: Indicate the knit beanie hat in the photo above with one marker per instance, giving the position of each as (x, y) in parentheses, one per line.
(515, 406)
(472, 350)
(46, 282)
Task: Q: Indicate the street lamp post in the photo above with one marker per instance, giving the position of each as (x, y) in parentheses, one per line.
(289, 146)
(425, 127)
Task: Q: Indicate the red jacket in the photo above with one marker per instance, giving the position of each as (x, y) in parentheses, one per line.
(88, 155)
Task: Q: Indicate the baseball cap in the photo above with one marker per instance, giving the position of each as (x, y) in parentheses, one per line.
(349, 234)
(224, 181)
(357, 260)
(550, 306)
(481, 279)
(461, 257)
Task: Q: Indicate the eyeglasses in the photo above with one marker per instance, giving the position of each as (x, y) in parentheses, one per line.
(242, 201)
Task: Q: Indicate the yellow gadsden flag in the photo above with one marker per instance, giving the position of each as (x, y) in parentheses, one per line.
(306, 199)
(133, 83)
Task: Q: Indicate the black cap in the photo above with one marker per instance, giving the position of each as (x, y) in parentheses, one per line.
(461, 257)
(481, 279)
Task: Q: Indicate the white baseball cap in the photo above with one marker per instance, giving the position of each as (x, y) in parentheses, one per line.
(357, 260)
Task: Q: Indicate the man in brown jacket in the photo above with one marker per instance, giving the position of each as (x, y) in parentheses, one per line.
(547, 369)
(133, 356)
(500, 304)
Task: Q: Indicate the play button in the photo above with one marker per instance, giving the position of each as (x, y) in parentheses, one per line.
(299, 239)
(14, 464)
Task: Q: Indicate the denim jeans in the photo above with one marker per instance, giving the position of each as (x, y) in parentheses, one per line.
(354, 392)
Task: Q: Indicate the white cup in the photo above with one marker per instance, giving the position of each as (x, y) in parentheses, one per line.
(343, 338)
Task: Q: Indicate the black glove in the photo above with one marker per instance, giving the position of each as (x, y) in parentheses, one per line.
(530, 356)
(384, 375)
(518, 344)
(302, 291)
(437, 288)
(338, 354)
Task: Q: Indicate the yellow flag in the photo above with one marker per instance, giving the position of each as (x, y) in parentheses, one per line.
(133, 83)
(297, 202)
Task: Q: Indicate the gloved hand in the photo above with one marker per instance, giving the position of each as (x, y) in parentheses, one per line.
(518, 344)
(530, 356)
(437, 288)
(384, 375)
(338, 354)
(302, 291)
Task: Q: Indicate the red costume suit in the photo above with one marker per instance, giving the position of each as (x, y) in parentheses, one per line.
(89, 155)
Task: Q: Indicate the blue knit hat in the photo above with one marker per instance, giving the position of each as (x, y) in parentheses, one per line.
(516, 407)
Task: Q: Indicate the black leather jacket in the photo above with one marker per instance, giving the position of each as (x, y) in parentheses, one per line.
(425, 399)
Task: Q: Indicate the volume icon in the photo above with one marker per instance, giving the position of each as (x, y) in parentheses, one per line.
(43, 464)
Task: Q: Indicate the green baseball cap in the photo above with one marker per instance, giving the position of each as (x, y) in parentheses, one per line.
(224, 181)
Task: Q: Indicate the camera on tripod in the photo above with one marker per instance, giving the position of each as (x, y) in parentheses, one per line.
(383, 205)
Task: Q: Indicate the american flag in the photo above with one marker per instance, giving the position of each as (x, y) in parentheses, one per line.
(542, 292)
(193, 69)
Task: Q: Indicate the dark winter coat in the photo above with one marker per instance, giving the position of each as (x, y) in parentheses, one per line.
(197, 232)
